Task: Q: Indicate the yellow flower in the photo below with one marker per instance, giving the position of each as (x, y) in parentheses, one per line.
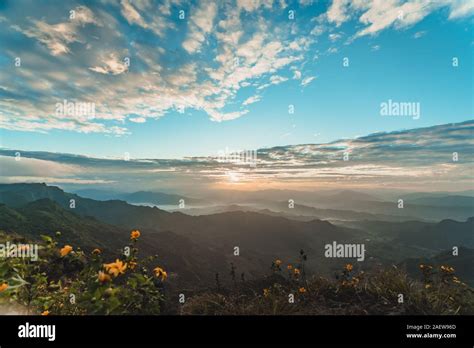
(289, 267)
(297, 272)
(103, 277)
(135, 235)
(278, 262)
(3, 287)
(45, 313)
(302, 290)
(65, 250)
(266, 292)
(447, 269)
(96, 251)
(348, 267)
(132, 264)
(115, 268)
(160, 272)
(427, 286)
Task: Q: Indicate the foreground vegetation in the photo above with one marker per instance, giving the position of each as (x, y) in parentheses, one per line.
(66, 280)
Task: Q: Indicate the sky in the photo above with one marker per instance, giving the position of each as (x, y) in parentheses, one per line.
(227, 74)
(163, 94)
(437, 158)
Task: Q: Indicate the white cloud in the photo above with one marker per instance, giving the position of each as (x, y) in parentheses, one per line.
(381, 15)
(221, 116)
(274, 80)
(83, 15)
(252, 5)
(307, 80)
(419, 34)
(131, 14)
(200, 25)
(306, 2)
(337, 12)
(186, 75)
(35, 167)
(57, 37)
(153, 89)
(157, 23)
(381, 161)
(461, 8)
(251, 100)
(111, 65)
(318, 30)
(138, 119)
(296, 74)
(250, 50)
(245, 52)
(378, 15)
(334, 37)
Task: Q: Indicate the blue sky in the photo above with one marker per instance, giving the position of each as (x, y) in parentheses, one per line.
(398, 50)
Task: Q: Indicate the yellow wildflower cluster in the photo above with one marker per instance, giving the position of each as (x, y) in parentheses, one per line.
(353, 282)
(103, 277)
(135, 235)
(65, 250)
(160, 273)
(116, 268)
(132, 264)
(447, 269)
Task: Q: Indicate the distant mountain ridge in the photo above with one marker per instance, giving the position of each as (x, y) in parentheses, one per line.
(261, 238)
(196, 247)
(45, 217)
(445, 201)
(155, 198)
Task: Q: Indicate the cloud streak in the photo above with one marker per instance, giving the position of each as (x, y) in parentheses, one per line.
(416, 158)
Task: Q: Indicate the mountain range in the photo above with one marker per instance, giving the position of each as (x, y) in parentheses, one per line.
(209, 241)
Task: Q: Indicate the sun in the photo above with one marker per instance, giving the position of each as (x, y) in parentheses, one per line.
(233, 176)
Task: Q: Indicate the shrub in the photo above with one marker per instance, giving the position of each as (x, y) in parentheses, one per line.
(67, 280)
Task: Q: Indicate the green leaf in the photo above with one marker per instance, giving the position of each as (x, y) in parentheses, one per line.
(46, 238)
